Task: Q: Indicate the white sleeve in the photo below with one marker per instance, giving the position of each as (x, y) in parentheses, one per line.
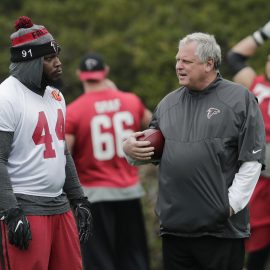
(243, 185)
(9, 107)
(7, 116)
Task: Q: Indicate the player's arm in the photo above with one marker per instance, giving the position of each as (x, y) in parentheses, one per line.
(70, 141)
(243, 185)
(239, 54)
(139, 152)
(18, 226)
(7, 197)
(78, 201)
(251, 148)
(72, 186)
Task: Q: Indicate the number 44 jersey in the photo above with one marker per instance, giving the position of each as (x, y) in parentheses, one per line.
(36, 164)
(100, 121)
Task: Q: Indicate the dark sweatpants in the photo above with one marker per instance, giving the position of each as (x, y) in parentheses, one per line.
(119, 238)
(202, 253)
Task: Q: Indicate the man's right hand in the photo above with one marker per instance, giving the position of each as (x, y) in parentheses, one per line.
(139, 150)
(19, 233)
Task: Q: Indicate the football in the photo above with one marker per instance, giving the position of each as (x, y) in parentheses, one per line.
(157, 141)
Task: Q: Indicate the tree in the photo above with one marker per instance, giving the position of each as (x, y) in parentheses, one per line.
(138, 39)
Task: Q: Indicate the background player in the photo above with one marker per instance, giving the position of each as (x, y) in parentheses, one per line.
(97, 123)
(258, 245)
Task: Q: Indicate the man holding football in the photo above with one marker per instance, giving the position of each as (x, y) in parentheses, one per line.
(212, 158)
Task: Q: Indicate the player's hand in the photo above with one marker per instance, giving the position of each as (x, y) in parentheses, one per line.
(19, 233)
(84, 218)
(140, 150)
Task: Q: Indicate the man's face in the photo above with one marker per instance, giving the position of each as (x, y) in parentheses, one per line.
(189, 70)
(52, 67)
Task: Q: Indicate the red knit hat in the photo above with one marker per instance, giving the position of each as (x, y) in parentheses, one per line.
(31, 41)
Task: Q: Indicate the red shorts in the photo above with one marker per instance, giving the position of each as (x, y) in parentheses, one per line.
(54, 245)
(259, 216)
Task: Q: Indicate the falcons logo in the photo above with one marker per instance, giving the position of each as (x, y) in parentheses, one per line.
(211, 112)
(55, 46)
(56, 95)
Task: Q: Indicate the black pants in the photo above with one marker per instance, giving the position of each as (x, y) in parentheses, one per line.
(257, 260)
(119, 238)
(202, 253)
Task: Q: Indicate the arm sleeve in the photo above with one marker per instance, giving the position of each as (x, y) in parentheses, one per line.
(243, 185)
(251, 140)
(71, 121)
(236, 62)
(72, 186)
(7, 197)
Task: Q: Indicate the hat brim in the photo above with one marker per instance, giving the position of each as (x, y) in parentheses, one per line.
(92, 75)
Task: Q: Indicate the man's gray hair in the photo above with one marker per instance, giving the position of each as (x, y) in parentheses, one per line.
(207, 47)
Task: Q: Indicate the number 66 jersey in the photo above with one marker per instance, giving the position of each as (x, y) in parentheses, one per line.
(100, 121)
(37, 122)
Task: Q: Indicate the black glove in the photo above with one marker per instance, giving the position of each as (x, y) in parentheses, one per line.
(84, 218)
(19, 232)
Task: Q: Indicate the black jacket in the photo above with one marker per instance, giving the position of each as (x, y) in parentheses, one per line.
(208, 134)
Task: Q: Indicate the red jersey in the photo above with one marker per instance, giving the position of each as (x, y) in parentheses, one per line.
(260, 200)
(261, 89)
(100, 121)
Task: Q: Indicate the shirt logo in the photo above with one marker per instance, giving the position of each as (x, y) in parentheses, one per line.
(18, 224)
(211, 112)
(56, 95)
(91, 63)
(256, 151)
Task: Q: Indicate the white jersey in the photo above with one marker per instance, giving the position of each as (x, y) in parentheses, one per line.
(36, 164)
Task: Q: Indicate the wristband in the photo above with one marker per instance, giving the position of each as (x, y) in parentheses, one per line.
(258, 37)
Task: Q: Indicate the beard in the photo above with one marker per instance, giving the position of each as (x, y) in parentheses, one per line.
(46, 81)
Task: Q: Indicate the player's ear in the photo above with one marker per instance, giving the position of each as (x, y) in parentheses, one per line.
(209, 65)
(107, 70)
(78, 73)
